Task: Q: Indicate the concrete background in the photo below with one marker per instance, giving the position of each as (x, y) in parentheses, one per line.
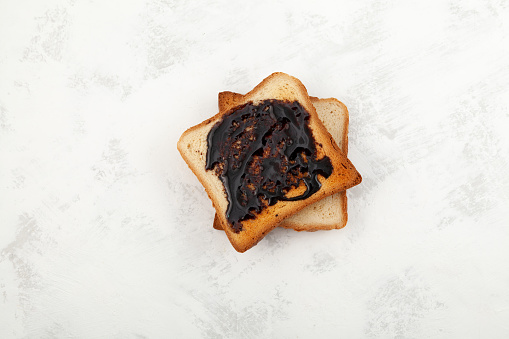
(105, 232)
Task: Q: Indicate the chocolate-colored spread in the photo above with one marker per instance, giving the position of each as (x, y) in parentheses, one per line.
(261, 152)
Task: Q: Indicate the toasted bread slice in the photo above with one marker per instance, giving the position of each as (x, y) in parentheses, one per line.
(330, 212)
(193, 146)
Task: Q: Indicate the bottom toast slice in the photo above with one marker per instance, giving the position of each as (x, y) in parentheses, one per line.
(330, 212)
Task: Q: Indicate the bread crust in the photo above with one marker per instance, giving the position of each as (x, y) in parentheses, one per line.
(278, 86)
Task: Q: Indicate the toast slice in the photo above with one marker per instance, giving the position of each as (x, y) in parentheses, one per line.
(277, 93)
(330, 212)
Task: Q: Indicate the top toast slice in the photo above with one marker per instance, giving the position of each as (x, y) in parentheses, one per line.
(330, 212)
(193, 146)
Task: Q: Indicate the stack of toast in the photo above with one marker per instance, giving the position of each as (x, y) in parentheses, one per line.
(274, 157)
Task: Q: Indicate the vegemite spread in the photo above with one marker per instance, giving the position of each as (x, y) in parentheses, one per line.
(261, 152)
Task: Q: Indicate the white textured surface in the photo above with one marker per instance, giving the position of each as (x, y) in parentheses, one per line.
(105, 232)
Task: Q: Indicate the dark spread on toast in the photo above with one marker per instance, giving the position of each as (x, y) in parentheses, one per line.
(261, 152)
